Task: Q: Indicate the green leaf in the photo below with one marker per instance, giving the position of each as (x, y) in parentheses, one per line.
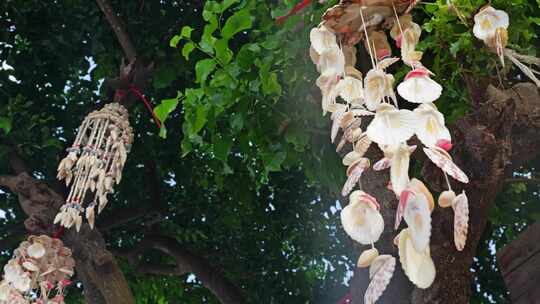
(5, 124)
(203, 68)
(272, 160)
(222, 148)
(163, 131)
(223, 53)
(187, 49)
(226, 4)
(166, 107)
(186, 32)
(186, 146)
(174, 41)
(238, 22)
(270, 84)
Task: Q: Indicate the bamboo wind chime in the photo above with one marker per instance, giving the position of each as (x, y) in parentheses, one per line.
(350, 98)
(94, 164)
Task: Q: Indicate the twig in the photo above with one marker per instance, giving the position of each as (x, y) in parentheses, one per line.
(119, 29)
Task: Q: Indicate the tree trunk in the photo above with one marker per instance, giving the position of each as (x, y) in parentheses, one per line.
(496, 138)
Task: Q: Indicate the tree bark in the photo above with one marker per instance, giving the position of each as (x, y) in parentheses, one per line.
(498, 136)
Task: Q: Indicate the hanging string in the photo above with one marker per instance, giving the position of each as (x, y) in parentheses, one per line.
(298, 7)
(397, 20)
(367, 37)
(120, 94)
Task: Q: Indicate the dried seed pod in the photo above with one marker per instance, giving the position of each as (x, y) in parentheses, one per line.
(461, 220)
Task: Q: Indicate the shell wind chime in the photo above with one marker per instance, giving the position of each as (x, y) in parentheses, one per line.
(38, 272)
(490, 26)
(350, 98)
(94, 164)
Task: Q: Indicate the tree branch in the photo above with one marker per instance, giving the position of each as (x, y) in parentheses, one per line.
(186, 262)
(119, 29)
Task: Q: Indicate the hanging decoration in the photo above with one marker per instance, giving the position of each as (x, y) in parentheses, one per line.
(94, 164)
(38, 272)
(490, 26)
(350, 98)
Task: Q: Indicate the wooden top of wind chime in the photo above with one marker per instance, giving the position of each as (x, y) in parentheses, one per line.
(348, 16)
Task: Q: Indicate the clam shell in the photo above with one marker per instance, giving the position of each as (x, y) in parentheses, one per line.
(367, 257)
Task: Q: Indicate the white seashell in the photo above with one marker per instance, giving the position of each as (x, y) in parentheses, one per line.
(383, 164)
(418, 218)
(30, 266)
(332, 60)
(354, 172)
(336, 117)
(351, 157)
(443, 160)
(447, 198)
(380, 279)
(362, 222)
(322, 39)
(362, 144)
(430, 127)
(418, 267)
(487, 21)
(351, 89)
(377, 86)
(391, 126)
(90, 216)
(36, 250)
(314, 57)
(367, 257)
(399, 171)
(419, 88)
(461, 220)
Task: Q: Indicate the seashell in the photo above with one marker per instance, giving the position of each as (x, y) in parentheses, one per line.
(399, 171)
(332, 60)
(350, 89)
(36, 250)
(418, 266)
(443, 160)
(377, 86)
(351, 157)
(337, 115)
(30, 266)
(384, 267)
(367, 257)
(447, 198)
(488, 20)
(461, 220)
(322, 39)
(391, 126)
(354, 172)
(362, 144)
(418, 87)
(431, 129)
(362, 222)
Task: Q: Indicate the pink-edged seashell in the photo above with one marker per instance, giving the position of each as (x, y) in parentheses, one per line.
(442, 159)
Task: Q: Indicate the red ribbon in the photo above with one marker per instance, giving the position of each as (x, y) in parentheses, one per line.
(298, 7)
(120, 94)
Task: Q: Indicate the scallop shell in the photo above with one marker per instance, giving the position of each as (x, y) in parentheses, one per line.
(367, 257)
(461, 220)
(430, 127)
(322, 39)
(391, 126)
(443, 160)
(380, 279)
(362, 223)
(383, 164)
(362, 144)
(420, 89)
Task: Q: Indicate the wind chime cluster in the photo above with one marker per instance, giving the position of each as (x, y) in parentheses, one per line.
(38, 272)
(94, 164)
(350, 98)
(490, 26)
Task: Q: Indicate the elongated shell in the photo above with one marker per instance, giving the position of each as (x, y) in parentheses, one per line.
(380, 279)
(418, 266)
(443, 160)
(461, 220)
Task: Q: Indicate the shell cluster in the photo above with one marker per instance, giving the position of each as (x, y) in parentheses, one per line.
(351, 98)
(491, 26)
(38, 272)
(94, 164)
